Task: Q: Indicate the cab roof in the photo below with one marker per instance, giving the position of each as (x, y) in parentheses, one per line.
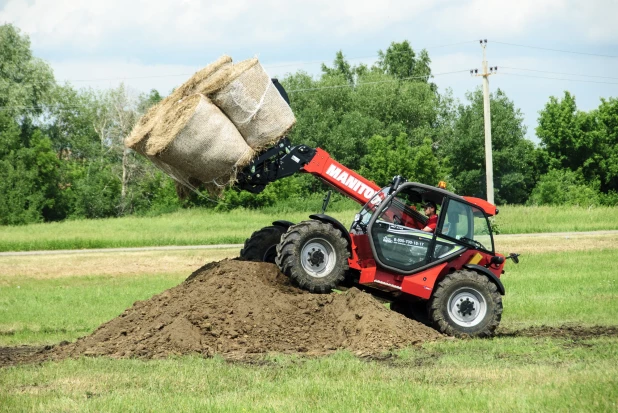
(432, 193)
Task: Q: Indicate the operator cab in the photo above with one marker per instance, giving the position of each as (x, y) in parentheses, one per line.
(393, 223)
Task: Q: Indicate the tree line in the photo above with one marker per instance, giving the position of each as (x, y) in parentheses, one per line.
(62, 154)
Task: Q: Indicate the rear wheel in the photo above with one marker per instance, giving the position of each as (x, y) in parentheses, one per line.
(314, 255)
(262, 245)
(416, 310)
(466, 303)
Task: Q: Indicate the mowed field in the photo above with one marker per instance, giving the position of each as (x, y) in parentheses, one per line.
(557, 348)
(205, 227)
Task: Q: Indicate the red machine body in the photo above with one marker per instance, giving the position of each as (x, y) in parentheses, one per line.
(420, 284)
(452, 272)
(343, 179)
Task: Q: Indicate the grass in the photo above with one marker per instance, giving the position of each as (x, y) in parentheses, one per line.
(187, 227)
(476, 375)
(564, 287)
(551, 286)
(42, 302)
(205, 227)
(514, 219)
(49, 311)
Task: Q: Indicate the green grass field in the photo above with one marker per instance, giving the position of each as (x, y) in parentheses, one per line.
(522, 375)
(197, 227)
(575, 287)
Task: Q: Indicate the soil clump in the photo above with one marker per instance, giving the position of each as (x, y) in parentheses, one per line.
(239, 309)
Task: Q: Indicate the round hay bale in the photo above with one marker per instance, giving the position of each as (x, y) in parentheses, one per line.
(143, 127)
(251, 101)
(207, 79)
(204, 81)
(182, 178)
(196, 139)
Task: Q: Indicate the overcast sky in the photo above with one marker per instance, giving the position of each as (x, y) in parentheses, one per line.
(160, 43)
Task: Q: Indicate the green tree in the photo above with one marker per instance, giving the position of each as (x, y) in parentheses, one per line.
(607, 151)
(582, 141)
(341, 68)
(568, 135)
(26, 82)
(28, 173)
(515, 159)
(401, 62)
(564, 187)
(390, 156)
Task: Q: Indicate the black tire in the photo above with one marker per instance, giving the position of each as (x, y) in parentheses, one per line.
(314, 255)
(416, 310)
(466, 304)
(262, 245)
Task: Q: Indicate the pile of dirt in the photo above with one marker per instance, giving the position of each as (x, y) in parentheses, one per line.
(238, 309)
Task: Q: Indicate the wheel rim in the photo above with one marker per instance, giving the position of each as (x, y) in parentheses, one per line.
(318, 257)
(467, 307)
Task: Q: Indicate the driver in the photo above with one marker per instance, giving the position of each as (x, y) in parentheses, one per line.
(430, 211)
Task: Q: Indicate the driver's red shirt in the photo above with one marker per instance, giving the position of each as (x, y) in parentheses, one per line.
(432, 222)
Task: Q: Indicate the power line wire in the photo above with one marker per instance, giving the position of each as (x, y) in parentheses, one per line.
(559, 73)
(299, 63)
(128, 78)
(376, 82)
(557, 78)
(60, 106)
(555, 50)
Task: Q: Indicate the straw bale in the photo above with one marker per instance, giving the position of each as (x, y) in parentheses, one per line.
(204, 81)
(143, 127)
(202, 143)
(254, 105)
(209, 78)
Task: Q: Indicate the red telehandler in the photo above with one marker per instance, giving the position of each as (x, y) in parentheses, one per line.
(448, 278)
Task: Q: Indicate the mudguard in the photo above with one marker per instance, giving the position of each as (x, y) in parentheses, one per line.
(335, 223)
(284, 224)
(489, 274)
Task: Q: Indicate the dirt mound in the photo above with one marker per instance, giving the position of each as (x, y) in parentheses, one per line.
(238, 309)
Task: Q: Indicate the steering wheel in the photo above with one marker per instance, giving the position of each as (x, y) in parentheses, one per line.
(472, 241)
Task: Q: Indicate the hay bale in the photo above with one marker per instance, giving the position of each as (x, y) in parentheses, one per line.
(204, 81)
(194, 140)
(182, 179)
(208, 79)
(143, 127)
(251, 101)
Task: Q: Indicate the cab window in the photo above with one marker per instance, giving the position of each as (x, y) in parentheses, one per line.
(467, 224)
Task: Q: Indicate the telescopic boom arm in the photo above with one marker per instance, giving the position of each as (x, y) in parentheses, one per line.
(283, 160)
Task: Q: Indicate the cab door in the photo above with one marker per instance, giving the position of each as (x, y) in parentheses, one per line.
(395, 234)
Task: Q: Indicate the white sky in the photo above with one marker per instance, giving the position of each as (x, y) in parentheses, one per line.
(159, 43)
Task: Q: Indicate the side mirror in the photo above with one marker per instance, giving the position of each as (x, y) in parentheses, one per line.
(514, 257)
(397, 180)
(325, 201)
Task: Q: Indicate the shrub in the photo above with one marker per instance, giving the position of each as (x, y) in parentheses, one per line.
(564, 187)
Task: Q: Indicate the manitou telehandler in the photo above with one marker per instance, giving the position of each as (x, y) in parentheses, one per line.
(449, 277)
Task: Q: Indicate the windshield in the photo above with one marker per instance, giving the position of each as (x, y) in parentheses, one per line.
(467, 224)
(401, 209)
(365, 214)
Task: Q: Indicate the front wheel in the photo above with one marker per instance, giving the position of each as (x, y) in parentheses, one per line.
(314, 255)
(466, 303)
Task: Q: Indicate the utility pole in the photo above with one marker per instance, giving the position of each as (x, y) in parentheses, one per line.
(489, 169)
